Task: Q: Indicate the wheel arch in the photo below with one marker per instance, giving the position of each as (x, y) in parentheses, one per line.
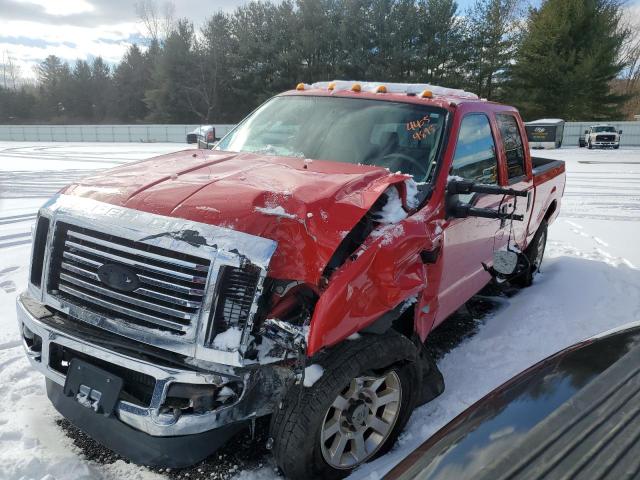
(550, 210)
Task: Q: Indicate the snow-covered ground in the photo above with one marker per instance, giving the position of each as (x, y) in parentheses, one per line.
(590, 283)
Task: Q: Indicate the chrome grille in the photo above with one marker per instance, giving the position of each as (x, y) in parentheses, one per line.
(605, 138)
(171, 289)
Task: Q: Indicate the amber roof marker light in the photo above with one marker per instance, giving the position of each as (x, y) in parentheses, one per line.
(381, 89)
(300, 86)
(331, 86)
(426, 94)
(356, 87)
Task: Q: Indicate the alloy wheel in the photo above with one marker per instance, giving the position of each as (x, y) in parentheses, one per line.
(360, 420)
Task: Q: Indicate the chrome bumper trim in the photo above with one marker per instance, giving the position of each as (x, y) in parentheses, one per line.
(146, 419)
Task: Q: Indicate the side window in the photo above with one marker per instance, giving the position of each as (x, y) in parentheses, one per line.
(475, 157)
(512, 143)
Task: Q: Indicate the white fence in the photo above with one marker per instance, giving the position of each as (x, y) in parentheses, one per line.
(102, 133)
(178, 133)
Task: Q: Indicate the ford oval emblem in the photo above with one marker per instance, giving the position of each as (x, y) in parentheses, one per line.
(118, 277)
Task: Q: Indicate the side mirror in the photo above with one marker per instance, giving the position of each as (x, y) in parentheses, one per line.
(505, 262)
(620, 132)
(586, 132)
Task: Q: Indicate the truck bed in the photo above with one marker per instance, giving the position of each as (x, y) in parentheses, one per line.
(542, 165)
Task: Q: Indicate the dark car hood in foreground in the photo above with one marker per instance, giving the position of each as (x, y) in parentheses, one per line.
(549, 421)
(306, 206)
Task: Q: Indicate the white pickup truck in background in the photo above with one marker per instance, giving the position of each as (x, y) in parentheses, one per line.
(604, 136)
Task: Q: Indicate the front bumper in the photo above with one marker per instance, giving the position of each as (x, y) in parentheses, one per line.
(260, 385)
(605, 144)
(173, 452)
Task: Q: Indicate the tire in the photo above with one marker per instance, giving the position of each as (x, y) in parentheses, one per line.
(616, 147)
(306, 412)
(535, 254)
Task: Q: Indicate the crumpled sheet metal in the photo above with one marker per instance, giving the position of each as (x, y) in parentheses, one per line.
(387, 271)
(321, 200)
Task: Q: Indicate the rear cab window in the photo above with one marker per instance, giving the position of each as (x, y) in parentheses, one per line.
(512, 146)
(403, 137)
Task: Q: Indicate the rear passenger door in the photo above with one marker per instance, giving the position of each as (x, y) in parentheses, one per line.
(517, 175)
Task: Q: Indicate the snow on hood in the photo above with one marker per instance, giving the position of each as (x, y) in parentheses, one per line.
(305, 206)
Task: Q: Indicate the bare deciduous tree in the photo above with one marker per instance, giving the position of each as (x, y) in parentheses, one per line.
(158, 19)
(10, 71)
(630, 52)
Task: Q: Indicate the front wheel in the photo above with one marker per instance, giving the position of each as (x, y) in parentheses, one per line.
(352, 414)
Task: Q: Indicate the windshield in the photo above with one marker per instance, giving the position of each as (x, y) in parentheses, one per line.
(399, 136)
(604, 129)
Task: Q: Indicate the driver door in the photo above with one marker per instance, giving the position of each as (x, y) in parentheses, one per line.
(468, 242)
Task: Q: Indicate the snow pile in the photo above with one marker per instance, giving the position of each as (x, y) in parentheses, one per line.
(412, 193)
(203, 208)
(588, 285)
(407, 88)
(312, 374)
(388, 233)
(277, 211)
(392, 212)
(225, 394)
(228, 340)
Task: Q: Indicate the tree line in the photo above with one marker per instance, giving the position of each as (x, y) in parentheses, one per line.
(565, 58)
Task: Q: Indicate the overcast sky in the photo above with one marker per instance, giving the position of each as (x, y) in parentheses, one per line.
(32, 29)
(71, 29)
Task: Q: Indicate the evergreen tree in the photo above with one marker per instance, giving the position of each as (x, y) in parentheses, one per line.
(54, 80)
(442, 51)
(492, 41)
(81, 104)
(101, 88)
(131, 79)
(568, 59)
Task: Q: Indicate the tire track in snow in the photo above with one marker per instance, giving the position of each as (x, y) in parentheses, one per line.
(9, 345)
(17, 218)
(27, 184)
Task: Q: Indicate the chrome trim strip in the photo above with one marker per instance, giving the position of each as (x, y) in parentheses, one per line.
(126, 298)
(147, 419)
(141, 291)
(149, 280)
(141, 253)
(124, 310)
(135, 263)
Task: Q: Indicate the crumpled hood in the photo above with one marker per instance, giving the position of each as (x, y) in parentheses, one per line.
(306, 206)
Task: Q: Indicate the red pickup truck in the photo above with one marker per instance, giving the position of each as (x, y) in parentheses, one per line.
(295, 270)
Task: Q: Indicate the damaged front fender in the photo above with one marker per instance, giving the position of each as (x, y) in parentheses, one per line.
(386, 271)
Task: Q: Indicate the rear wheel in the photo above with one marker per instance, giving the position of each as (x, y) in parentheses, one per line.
(534, 253)
(352, 414)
